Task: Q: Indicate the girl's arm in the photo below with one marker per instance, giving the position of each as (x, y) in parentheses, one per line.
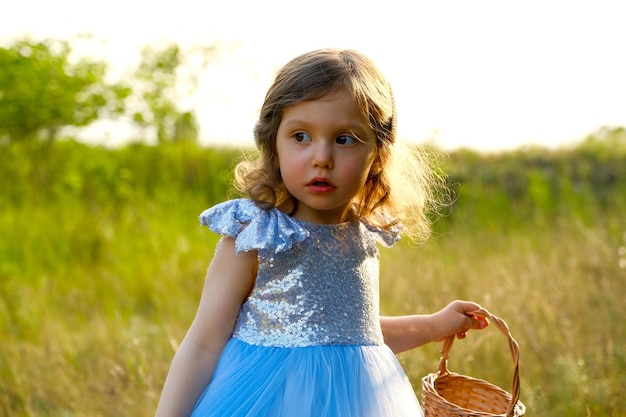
(228, 282)
(407, 332)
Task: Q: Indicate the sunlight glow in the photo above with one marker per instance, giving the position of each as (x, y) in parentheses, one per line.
(487, 74)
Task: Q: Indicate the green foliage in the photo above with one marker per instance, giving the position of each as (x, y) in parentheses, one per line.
(101, 179)
(537, 186)
(157, 77)
(157, 83)
(102, 261)
(42, 90)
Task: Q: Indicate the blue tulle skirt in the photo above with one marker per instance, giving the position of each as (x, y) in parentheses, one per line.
(315, 381)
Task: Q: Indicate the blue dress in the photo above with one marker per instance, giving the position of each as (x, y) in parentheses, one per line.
(307, 341)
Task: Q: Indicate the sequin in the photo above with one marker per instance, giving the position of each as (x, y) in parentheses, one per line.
(316, 285)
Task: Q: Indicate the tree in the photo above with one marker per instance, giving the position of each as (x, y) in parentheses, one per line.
(42, 91)
(156, 82)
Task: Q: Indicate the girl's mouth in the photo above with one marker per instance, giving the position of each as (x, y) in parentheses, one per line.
(320, 185)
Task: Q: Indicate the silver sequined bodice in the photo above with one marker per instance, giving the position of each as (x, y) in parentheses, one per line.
(316, 285)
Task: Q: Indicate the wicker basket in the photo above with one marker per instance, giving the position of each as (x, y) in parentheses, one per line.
(448, 394)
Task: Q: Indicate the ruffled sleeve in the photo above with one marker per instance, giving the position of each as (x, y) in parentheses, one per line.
(387, 238)
(252, 227)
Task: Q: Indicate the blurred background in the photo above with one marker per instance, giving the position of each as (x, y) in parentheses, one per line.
(485, 75)
(121, 122)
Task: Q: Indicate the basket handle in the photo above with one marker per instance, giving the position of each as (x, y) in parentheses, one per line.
(500, 324)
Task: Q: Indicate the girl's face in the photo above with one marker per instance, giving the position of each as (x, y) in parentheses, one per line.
(325, 152)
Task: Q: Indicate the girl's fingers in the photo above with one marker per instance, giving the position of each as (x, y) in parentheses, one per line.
(480, 322)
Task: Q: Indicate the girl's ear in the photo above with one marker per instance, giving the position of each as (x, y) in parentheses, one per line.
(376, 167)
(374, 173)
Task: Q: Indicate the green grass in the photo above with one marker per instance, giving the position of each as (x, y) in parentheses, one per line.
(102, 261)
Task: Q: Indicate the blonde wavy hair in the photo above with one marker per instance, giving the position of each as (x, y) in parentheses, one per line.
(403, 186)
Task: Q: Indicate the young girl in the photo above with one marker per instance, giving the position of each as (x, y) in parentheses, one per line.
(288, 323)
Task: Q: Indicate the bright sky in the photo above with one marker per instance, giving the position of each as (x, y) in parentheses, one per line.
(487, 75)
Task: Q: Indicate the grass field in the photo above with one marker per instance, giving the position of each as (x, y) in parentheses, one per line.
(102, 261)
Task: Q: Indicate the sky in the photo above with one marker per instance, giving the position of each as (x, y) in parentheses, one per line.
(488, 75)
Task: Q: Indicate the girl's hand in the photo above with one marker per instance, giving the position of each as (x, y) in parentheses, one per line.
(457, 319)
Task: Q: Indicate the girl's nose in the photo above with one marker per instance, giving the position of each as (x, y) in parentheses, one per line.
(323, 156)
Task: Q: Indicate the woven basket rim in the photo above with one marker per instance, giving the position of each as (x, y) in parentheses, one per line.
(428, 387)
(435, 376)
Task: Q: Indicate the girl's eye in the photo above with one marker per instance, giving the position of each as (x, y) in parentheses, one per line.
(345, 140)
(302, 137)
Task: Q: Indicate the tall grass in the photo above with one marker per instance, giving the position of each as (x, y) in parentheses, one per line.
(562, 293)
(102, 261)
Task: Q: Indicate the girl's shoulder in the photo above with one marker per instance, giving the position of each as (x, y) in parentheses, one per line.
(385, 236)
(255, 228)
(252, 227)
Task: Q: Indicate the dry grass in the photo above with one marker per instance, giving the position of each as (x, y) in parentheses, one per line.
(562, 292)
